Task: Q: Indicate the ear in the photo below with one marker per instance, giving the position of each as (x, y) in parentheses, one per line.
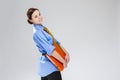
(30, 20)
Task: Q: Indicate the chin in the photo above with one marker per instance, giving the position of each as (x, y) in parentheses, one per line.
(39, 23)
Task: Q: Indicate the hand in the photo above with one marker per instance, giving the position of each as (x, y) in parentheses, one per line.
(67, 58)
(64, 64)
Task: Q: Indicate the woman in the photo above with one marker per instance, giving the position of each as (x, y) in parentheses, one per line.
(44, 42)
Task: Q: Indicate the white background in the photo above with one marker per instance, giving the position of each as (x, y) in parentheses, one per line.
(88, 29)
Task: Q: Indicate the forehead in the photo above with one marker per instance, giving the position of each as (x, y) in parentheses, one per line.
(36, 12)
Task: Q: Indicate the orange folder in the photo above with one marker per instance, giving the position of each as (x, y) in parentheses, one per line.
(56, 62)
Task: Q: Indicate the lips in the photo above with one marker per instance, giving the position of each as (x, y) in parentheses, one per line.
(40, 20)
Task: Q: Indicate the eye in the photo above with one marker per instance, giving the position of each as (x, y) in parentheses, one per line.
(35, 16)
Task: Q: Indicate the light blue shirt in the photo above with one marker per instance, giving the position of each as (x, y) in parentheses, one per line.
(44, 43)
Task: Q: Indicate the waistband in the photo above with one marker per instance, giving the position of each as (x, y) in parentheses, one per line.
(43, 54)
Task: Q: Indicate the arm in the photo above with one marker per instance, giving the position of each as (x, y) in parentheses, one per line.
(43, 44)
(67, 54)
(57, 56)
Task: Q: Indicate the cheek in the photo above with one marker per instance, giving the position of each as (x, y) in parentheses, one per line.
(35, 20)
(41, 18)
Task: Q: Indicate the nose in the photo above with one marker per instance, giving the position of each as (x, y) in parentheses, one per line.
(39, 17)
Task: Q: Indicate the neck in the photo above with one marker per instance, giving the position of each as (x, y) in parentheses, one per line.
(39, 24)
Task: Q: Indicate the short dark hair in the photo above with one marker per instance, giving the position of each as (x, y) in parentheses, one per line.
(29, 14)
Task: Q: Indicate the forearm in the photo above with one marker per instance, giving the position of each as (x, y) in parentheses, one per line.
(57, 56)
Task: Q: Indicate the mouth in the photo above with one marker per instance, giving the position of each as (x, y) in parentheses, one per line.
(40, 20)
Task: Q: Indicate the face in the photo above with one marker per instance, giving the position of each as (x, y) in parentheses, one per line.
(36, 17)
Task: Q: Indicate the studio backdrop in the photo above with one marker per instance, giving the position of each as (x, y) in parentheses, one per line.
(88, 29)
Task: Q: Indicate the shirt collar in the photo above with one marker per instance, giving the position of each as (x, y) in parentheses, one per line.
(38, 27)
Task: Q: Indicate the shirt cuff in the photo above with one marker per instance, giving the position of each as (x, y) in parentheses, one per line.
(49, 52)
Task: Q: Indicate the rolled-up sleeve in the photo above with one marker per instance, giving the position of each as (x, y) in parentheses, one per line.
(48, 48)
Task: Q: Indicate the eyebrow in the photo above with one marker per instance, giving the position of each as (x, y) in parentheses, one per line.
(35, 15)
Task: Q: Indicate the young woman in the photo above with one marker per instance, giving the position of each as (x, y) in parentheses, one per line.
(44, 43)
